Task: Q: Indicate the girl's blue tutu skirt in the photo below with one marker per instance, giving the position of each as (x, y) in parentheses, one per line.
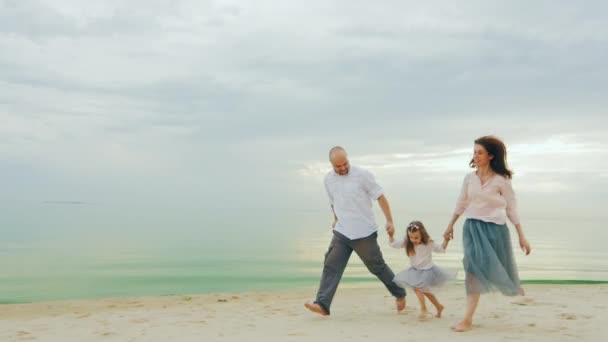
(424, 280)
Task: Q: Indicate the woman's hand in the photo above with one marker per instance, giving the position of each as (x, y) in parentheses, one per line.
(525, 245)
(449, 232)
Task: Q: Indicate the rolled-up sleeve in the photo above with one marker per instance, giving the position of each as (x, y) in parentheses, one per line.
(398, 243)
(463, 200)
(329, 195)
(506, 190)
(438, 248)
(373, 189)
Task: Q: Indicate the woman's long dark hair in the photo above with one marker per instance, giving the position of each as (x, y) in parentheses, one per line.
(496, 148)
(424, 236)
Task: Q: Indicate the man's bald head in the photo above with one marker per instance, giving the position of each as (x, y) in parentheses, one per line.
(336, 151)
(339, 160)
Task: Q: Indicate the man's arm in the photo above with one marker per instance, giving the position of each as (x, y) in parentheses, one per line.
(386, 209)
(333, 225)
(331, 203)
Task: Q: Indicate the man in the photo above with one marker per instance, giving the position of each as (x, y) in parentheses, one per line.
(351, 191)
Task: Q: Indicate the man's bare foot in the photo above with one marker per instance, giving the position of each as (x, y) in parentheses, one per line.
(316, 308)
(424, 315)
(439, 311)
(400, 304)
(462, 326)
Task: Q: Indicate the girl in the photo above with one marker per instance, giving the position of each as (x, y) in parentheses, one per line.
(423, 274)
(487, 200)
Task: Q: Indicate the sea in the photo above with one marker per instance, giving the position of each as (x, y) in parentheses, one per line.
(69, 251)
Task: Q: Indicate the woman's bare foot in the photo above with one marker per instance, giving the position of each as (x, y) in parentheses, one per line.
(463, 326)
(439, 311)
(400, 304)
(424, 315)
(316, 308)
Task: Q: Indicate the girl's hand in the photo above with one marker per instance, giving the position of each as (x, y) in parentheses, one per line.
(525, 245)
(449, 232)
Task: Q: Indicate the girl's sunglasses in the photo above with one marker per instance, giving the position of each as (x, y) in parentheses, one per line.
(413, 228)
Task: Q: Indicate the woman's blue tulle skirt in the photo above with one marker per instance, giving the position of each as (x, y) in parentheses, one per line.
(489, 263)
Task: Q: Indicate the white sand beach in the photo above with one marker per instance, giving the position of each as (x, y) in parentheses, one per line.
(359, 313)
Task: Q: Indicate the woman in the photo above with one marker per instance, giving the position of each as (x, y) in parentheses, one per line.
(487, 199)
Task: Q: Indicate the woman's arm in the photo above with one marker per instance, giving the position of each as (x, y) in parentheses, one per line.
(461, 205)
(507, 192)
(449, 231)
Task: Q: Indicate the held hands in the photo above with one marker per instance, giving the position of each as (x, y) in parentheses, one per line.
(449, 233)
(390, 229)
(525, 245)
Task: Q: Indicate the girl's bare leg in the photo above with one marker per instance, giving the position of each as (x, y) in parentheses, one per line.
(436, 303)
(422, 301)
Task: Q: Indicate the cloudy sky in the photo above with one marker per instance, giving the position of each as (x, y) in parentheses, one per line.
(234, 104)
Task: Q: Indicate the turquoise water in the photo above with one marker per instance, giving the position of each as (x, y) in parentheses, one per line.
(89, 251)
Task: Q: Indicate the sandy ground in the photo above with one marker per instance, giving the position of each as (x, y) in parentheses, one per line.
(359, 313)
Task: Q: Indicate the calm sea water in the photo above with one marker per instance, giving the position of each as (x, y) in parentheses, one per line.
(57, 251)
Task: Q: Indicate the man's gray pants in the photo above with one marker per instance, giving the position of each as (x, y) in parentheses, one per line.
(336, 258)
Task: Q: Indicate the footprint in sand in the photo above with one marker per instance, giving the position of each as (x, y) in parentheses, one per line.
(568, 316)
(25, 335)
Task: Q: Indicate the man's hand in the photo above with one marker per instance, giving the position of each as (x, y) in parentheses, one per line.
(390, 229)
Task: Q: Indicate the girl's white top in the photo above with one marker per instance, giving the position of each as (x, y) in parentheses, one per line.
(489, 202)
(423, 259)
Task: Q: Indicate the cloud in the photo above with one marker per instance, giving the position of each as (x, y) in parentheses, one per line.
(143, 93)
(554, 164)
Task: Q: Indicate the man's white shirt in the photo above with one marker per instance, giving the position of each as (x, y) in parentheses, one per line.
(351, 196)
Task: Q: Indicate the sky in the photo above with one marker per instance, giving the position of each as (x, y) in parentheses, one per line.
(233, 105)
